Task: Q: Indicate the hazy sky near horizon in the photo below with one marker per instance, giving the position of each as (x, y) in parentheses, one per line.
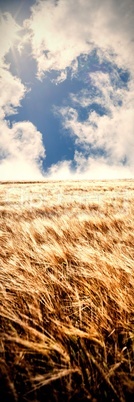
(66, 89)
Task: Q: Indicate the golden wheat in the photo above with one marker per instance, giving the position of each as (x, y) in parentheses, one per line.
(67, 291)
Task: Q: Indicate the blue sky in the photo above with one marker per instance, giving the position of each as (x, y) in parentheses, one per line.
(67, 89)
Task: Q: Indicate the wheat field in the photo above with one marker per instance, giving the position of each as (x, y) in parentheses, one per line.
(67, 291)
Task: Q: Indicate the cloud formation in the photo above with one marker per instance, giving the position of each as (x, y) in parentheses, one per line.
(110, 133)
(21, 150)
(21, 147)
(9, 32)
(89, 169)
(12, 92)
(61, 31)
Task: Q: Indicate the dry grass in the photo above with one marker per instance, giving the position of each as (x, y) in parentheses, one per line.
(67, 291)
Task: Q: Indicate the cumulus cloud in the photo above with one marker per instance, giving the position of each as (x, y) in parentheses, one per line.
(110, 133)
(61, 171)
(21, 146)
(100, 168)
(61, 31)
(89, 169)
(12, 92)
(18, 170)
(22, 139)
(21, 150)
(11, 88)
(9, 32)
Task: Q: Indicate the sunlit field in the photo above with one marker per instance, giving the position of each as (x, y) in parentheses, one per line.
(67, 291)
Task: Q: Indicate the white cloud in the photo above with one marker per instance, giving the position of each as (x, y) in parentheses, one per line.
(19, 170)
(55, 30)
(22, 139)
(11, 88)
(61, 31)
(21, 151)
(12, 92)
(60, 171)
(111, 133)
(100, 168)
(89, 169)
(9, 32)
(21, 147)
(62, 77)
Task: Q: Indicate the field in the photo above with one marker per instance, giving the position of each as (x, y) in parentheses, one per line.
(67, 291)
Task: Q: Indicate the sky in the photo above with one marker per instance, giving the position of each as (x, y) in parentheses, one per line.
(66, 89)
